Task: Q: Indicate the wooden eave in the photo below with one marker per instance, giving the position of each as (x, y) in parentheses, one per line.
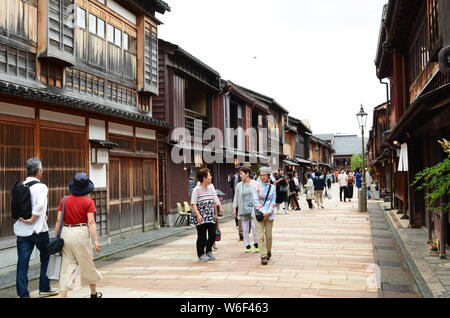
(42, 95)
(395, 30)
(424, 107)
(242, 95)
(180, 60)
(148, 6)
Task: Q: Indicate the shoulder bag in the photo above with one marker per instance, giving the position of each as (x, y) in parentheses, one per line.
(56, 244)
(259, 215)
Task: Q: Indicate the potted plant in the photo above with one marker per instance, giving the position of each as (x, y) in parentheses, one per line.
(434, 248)
(436, 183)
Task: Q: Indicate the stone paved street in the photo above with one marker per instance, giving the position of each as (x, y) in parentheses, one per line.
(334, 252)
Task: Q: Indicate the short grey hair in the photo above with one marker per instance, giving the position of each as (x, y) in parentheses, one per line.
(33, 166)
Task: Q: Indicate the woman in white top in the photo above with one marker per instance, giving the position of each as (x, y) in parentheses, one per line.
(309, 190)
(243, 206)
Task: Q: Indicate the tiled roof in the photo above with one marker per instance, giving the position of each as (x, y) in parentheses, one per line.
(190, 56)
(162, 5)
(348, 145)
(325, 137)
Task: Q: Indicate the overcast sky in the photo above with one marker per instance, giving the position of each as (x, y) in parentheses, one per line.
(316, 58)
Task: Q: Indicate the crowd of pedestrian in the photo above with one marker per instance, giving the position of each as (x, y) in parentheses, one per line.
(256, 201)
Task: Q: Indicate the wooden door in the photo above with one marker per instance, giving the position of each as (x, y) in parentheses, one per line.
(132, 195)
(16, 146)
(149, 190)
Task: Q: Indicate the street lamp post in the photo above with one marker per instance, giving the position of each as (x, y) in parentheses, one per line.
(362, 120)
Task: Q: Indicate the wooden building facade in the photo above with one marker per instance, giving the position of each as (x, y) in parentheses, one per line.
(412, 34)
(77, 79)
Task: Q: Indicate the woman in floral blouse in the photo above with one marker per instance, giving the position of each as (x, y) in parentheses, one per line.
(204, 215)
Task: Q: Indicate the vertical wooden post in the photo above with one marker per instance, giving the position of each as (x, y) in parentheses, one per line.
(37, 133)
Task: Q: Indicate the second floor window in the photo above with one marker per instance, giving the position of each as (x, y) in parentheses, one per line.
(96, 26)
(81, 18)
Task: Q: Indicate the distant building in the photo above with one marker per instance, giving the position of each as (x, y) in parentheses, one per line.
(345, 146)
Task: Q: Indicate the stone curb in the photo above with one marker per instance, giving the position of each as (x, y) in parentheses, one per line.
(421, 282)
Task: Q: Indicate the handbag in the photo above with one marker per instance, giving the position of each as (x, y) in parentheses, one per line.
(56, 244)
(54, 267)
(258, 214)
(218, 233)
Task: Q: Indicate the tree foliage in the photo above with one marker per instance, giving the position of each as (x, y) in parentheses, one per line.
(357, 162)
(436, 182)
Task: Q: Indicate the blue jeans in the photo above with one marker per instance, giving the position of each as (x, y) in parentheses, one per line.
(25, 246)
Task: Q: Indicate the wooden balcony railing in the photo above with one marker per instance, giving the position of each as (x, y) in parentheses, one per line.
(191, 118)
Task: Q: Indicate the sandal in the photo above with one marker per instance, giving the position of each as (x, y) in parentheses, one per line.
(97, 295)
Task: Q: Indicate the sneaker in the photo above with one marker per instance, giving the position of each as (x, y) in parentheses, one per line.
(203, 258)
(248, 249)
(51, 292)
(255, 249)
(210, 256)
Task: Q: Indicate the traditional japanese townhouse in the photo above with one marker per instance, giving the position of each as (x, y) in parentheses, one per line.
(187, 91)
(244, 119)
(301, 148)
(77, 79)
(276, 119)
(379, 152)
(345, 147)
(412, 35)
(289, 162)
(321, 154)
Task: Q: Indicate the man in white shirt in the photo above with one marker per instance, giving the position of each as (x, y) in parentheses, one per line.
(33, 232)
(343, 183)
(368, 183)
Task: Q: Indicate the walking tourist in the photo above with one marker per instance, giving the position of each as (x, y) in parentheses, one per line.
(368, 183)
(265, 199)
(319, 186)
(204, 215)
(32, 231)
(343, 183)
(282, 189)
(309, 190)
(350, 186)
(329, 179)
(293, 192)
(234, 181)
(244, 203)
(79, 227)
(358, 180)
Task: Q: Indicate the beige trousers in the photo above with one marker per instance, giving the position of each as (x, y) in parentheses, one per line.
(77, 253)
(264, 230)
(318, 194)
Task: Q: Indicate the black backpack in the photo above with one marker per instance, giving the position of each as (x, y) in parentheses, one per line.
(21, 200)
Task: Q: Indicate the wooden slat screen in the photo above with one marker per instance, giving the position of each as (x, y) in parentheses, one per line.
(16, 146)
(63, 155)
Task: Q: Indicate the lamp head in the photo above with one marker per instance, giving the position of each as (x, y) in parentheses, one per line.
(362, 117)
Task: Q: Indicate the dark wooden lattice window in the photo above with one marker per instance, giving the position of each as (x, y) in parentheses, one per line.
(151, 56)
(63, 154)
(125, 143)
(146, 146)
(17, 62)
(418, 54)
(16, 146)
(433, 25)
(52, 74)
